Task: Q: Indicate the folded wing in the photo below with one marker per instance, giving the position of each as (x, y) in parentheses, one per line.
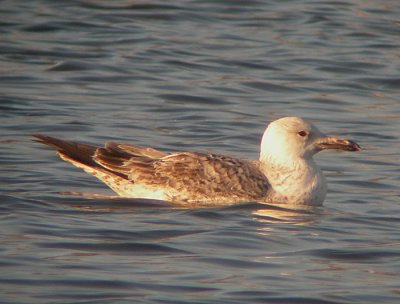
(186, 176)
(194, 177)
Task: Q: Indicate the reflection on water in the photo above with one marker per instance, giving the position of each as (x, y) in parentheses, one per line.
(273, 214)
(198, 76)
(264, 213)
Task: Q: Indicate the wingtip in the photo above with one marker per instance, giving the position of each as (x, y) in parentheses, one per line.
(43, 139)
(38, 137)
(48, 140)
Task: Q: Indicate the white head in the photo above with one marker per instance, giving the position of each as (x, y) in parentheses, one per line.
(289, 139)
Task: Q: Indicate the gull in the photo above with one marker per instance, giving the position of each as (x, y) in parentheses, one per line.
(285, 172)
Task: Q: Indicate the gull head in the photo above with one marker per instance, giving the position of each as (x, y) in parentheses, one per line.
(289, 139)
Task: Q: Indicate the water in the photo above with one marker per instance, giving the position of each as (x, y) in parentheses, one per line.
(199, 76)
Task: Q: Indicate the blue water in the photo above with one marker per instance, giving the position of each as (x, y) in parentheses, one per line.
(199, 76)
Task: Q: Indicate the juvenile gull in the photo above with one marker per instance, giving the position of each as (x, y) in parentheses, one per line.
(284, 174)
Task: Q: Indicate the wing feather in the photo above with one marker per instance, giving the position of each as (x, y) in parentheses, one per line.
(200, 177)
(184, 176)
(124, 159)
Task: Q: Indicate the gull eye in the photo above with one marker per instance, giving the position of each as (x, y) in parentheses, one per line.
(302, 133)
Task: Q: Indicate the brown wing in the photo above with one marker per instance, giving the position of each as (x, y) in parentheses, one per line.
(212, 177)
(127, 159)
(186, 176)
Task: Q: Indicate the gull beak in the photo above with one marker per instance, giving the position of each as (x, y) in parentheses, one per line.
(337, 144)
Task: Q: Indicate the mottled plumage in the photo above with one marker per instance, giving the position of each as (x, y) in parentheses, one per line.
(285, 172)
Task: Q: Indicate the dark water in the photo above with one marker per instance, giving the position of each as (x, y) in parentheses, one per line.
(201, 76)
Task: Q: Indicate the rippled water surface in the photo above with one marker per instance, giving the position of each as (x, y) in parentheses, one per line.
(198, 76)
